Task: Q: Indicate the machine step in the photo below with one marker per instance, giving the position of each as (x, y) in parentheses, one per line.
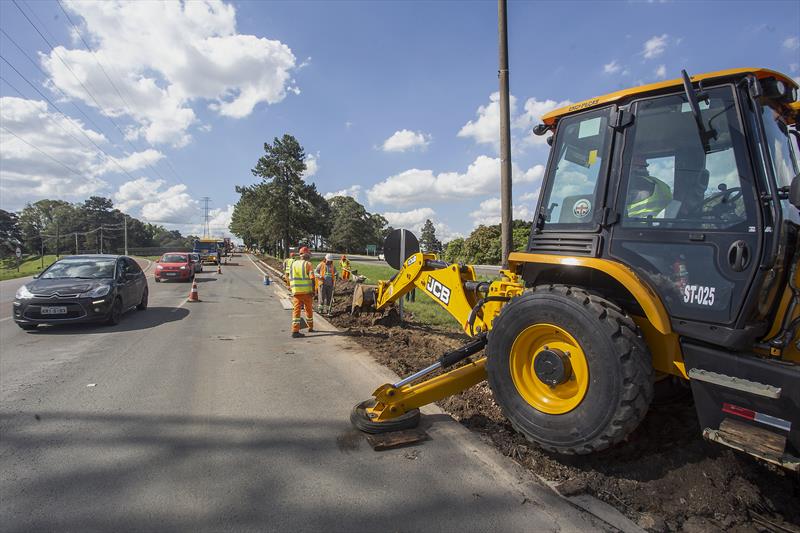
(744, 385)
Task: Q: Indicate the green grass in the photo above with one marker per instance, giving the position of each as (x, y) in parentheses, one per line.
(425, 310)
(27, 267)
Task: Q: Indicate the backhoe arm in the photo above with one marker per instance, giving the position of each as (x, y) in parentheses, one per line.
(473, 303)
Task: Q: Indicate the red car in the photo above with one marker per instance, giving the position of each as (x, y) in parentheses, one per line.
(174, 265)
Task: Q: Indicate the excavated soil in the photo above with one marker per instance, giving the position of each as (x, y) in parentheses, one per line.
(665, 477)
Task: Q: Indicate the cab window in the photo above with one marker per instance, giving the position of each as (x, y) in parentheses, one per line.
(670, 179)
(579, 150)
(780, 146)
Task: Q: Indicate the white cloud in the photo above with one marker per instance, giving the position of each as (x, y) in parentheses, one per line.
(165, 56)
(655, 46)
(534, 110)
(661, 72)
(354, 191)
(220, 219)
(791, 43)
(49, 156)
(134, 161)
(415, 185)
(486, 128)
(312, 165)
(415, 219)
(488, 212)
(157, 203)
(403, 140)
(612, 68)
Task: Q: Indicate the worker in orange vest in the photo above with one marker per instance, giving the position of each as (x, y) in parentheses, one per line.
(301, 283)
(326, 278)
(344, 266)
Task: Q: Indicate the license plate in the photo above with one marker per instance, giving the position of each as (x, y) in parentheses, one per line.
(54, 310)
(172, 274)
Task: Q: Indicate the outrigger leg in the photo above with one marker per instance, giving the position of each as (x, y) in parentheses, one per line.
(396, 406)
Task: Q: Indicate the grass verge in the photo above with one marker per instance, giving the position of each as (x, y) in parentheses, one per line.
(27, 267)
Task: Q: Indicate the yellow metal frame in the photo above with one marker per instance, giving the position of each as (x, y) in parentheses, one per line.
(392, 402)
(647, 298)
(552, 117)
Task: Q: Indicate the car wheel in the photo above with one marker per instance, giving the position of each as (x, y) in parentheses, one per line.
(115, 315)
(27, 327)
(143, 304)
(158, 280)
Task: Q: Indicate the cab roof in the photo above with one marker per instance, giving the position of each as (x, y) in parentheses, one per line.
(552, 117)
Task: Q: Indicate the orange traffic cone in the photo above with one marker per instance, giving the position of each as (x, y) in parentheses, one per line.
(219, 268)
(194, 296)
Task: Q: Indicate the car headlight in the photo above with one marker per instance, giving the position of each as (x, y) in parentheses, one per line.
(23, 293)
(102, 290)
(159, 267)
(183, 268)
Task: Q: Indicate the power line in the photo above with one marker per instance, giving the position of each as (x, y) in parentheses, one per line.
(86, 89)
(43, 152)
(110, 81)
(63, 114)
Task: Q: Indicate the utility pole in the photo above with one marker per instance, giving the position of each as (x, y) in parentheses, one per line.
(41, 240)
(76, 244)
(101, 239)
(206, 229)
(125, 225)
(505, 135)
(58, 238)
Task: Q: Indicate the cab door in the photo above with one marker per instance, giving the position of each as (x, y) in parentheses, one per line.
(688, 220)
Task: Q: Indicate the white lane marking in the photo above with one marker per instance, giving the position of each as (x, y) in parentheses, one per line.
(4, 319)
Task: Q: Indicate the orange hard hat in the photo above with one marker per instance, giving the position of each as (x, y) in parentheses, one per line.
(344, 257)
(291, 254)
(304, 250)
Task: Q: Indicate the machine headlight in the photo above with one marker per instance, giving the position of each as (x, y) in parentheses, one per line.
(97, 292)
(23, 293)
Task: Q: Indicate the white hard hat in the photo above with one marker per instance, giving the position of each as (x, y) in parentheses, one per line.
(328, 257)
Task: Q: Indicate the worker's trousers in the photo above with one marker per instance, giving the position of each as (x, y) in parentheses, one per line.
(325, 294)
(345, 275)
(302, 301)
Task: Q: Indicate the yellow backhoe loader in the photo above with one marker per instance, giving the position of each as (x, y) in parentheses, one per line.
(665, 245)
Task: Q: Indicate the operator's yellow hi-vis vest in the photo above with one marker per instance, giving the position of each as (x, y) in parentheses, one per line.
(287, 265)
(300, 280)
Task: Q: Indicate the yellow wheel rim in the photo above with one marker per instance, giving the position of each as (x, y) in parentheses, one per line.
(552, 399)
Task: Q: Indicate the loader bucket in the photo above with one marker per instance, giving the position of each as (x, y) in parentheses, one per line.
(363, 299)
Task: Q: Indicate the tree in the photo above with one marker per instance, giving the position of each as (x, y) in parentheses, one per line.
(282, 210)
(351, 224)
(428, 240)
(454, 251)
(10, 234)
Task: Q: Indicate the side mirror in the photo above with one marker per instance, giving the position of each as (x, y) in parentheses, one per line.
(794, 192)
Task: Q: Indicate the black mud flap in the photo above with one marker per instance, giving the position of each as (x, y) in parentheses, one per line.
(746, 390)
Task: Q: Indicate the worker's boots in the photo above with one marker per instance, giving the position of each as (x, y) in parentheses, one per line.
(297, 335)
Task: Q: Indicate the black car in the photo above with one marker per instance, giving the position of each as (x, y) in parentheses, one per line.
(82, 288)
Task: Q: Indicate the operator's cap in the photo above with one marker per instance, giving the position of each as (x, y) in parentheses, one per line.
(328, 257)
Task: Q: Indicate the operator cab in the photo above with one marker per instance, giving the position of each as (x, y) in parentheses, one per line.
(686, 184)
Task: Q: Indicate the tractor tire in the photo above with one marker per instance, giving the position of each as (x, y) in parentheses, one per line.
(359, 418)
(603, 382)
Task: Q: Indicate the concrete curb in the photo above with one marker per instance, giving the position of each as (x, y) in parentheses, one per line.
(586, 502)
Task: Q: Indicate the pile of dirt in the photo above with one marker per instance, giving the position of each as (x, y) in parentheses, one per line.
(664, 476)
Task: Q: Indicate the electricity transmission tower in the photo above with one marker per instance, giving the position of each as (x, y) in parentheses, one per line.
(206, 228)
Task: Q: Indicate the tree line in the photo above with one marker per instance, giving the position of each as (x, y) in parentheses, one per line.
(283, 211)
(53, 224)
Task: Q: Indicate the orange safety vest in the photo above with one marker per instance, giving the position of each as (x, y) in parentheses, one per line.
(324, 273)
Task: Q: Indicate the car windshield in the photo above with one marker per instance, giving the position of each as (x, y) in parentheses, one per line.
(80, 269)
(173, 258)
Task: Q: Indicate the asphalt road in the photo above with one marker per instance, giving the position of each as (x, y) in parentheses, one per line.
(207, 416)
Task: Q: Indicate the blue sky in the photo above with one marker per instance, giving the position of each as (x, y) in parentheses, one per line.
(391, 100)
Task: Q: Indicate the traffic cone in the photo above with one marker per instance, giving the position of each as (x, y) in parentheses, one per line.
(194, 296)
(219, 268)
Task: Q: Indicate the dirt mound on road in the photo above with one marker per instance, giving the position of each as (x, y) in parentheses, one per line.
(665, 476)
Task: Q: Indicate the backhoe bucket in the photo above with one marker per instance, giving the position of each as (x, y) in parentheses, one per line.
(363, 299)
